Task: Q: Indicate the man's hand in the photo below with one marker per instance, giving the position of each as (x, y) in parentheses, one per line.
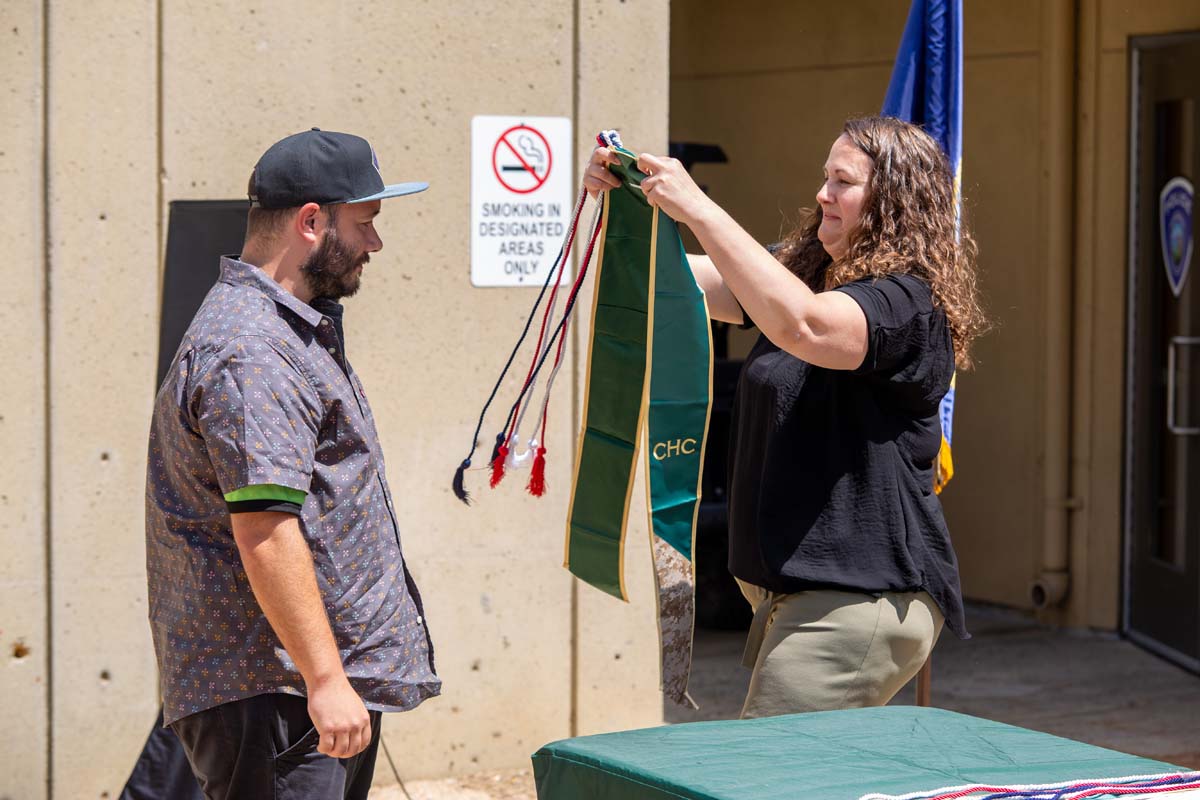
(340, 717)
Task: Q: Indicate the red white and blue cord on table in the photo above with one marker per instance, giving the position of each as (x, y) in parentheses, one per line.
(1067, 790)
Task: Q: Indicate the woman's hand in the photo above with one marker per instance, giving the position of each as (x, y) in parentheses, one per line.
(672, 189)
(596, 177)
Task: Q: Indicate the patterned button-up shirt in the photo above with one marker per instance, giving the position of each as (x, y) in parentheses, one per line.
(260, 395)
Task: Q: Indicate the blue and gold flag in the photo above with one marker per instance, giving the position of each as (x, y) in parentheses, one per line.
(926, 90)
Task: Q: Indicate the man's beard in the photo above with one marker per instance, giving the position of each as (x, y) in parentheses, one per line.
(331, 270)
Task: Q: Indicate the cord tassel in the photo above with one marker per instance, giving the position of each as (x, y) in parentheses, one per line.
(537, 476)
(498, 465)
(460, 491)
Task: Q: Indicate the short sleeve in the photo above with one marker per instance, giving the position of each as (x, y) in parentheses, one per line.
(259, 418)
(908, 340)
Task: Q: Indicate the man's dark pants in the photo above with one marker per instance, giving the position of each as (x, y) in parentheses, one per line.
(266, 747)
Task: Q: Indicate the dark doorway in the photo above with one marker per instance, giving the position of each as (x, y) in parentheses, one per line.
(1162, 565)
(199, 232)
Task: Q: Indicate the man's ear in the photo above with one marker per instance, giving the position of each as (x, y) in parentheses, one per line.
(308, 222)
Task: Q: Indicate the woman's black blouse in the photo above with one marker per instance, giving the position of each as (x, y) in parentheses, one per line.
(831, 471)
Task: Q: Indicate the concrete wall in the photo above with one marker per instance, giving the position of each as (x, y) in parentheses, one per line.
(152, 102)
(102, 198)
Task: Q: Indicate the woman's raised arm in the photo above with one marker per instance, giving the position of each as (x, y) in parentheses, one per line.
(828, 329)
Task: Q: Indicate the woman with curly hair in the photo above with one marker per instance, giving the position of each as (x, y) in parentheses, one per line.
(836, 535)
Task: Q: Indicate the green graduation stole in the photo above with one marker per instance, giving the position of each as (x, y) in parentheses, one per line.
(648, 391)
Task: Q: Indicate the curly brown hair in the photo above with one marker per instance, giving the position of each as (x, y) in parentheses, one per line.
(909, 225)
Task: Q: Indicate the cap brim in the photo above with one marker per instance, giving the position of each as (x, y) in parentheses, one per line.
(395, 190)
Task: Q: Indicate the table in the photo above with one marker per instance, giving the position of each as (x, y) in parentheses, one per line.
(829, 755)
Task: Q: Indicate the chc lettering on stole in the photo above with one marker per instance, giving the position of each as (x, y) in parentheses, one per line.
(665, 450)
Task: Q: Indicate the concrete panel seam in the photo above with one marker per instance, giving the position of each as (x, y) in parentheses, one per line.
(573, 686)
(159, 149)
(48, 421)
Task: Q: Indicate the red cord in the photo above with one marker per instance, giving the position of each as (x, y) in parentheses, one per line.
(537, 476)
(562, 265)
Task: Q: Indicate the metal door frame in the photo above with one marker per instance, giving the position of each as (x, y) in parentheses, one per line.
(1136, 45)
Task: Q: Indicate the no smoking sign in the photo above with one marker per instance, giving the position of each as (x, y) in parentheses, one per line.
(521, 198)
(532, 154)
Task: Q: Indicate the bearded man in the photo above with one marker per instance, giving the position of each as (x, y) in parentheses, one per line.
(284, 617)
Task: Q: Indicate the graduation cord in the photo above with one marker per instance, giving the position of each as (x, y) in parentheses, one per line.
(583, 269)
(459, 489)
(507, 441)
(537, 475)
(504, 451)
(535, 449)
(1078, 792)
(549, 315)
(609, 138)
(1164, 785)
(1068, 790)
(539, 361)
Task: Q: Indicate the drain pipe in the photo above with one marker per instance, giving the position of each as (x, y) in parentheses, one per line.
(1052, 583)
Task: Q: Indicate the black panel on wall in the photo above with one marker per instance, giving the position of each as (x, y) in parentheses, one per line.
(198, 234)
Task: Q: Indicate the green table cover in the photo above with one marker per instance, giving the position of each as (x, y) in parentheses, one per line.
(829, 755)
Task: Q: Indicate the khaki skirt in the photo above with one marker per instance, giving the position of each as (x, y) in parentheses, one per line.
(822, 650)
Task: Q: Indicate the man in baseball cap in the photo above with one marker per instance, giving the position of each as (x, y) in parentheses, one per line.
(322, 167)
(285, 618)
(309, 179)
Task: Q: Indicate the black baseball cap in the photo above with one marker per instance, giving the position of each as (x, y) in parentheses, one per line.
(323, 167)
